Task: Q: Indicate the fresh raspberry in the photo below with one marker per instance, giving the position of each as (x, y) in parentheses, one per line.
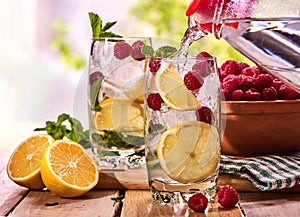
(228, 196)
(242, 65)
(154, 65)
(286, 92)
(231, 83)
(252, 95)
(263, 80)
(204, 55)
(154, 101)
(122, 50)
(269, 93)
(237, 95)
(192, 82)
(250, 71)
(136, 50)
(198, 202)
(95, 76)
(202, 69)
(230, 67)
(247, 82)
(277, 83)
(225, 95)
(205, 114)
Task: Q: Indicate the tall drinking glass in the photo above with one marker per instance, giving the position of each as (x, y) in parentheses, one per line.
(182, 127)
(115, 102)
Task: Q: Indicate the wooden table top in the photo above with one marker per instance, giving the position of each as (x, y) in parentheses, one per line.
(19, 201)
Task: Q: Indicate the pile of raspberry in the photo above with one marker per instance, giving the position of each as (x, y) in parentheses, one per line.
(240, 82)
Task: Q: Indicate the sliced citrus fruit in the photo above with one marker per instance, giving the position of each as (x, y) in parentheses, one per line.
(67, 170)
(23, 166)
(189, 152)
(134, 90)
(172, 89)
(119, 115)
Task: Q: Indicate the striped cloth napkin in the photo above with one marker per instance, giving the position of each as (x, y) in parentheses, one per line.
(265, 172)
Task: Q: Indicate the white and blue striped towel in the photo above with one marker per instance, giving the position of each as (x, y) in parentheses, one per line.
(265, 172)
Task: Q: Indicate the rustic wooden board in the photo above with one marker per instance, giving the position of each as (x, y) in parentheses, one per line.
(270, 204)
(139, 203)
(137, 179)
(93, 203)
(10, 192)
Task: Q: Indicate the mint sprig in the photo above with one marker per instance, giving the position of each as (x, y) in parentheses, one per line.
(98, 30)
(68, 127)
(163, 52)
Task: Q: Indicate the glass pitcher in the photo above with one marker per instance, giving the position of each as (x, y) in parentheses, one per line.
(265, 31)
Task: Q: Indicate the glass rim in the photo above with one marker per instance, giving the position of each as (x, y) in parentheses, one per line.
(176, 58)
(120, 38)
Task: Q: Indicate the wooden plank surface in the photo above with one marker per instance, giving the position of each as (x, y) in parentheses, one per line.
(137, 179)
(10, 192)
(138, 203)
(270, 204)
(45, 204)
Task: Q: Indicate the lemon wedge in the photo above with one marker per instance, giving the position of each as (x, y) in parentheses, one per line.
(172, 89)
(119, 115)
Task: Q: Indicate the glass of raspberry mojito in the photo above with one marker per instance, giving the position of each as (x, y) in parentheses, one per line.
(182, 107)
(116, 97)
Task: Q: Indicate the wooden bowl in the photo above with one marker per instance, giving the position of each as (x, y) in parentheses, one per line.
(256, 128)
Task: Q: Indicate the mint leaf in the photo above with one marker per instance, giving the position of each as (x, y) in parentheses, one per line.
(108, 25)
(98, 31)
(155, 128)
(94, 91)
(68, 127)
(166, 52)
(96, 23)
(148, 51)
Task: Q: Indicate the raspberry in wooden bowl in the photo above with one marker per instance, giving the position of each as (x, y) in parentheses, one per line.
(262, 114)
(261, 127)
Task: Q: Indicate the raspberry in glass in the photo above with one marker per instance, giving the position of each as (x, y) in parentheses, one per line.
(228, 196)
(154, 65)
(136, 50)
(122, 50)
(252, 94)
(198, 202)
(95, 76)
(203, 55)
(286, 92)
(154, 101)
(191, 81)
(202, 69)
(269, 93)
(263, 80)
(237, 95)
(206, 115)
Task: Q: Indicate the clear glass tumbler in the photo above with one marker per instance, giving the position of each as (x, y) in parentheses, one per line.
(115, 101)
(182, 107)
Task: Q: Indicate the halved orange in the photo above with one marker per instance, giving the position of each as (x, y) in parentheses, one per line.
(67, 170)
(24, 164)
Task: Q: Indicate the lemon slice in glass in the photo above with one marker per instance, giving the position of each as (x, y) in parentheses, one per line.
(172, 89)
(119, 115)
(190, 151)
